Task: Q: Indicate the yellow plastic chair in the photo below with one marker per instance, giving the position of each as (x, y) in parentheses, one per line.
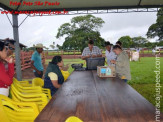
(23, 83)
(65, 74)
(31, 89)
(73, 119)
(17, 111)
(38, 82)
(39, 98)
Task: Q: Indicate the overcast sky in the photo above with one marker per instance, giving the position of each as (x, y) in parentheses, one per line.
(44, 29)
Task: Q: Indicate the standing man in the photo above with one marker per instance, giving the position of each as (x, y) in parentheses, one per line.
(91, 51)
(109, 54)
(36, 61)
(122, 64)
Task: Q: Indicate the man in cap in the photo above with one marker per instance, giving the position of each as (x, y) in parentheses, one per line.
(109, 54)
(36, 61)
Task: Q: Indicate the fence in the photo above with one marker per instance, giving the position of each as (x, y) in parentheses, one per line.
(26, 59)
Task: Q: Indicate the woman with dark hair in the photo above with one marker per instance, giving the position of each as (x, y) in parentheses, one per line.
(6, 74)
(53, 76)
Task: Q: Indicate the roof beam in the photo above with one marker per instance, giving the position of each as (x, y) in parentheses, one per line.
(19, 5)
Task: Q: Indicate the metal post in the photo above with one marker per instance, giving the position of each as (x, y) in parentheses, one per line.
(17, 48)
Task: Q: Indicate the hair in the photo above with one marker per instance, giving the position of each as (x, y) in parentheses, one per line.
(107, 43)
(119, 43)
(116, 47)
(90, 42)
(56, 60)
(2, 46)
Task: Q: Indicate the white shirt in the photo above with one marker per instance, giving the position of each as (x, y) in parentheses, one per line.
(110, 56)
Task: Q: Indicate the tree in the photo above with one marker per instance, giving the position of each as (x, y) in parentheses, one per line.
(139, 41)
(52, 46)
(79, 31)
(156, 30)
(126, 41)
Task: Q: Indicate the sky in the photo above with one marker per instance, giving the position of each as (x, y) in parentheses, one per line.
(44, 29)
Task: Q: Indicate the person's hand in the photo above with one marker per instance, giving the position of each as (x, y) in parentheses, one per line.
(113, 61)
(60, 68)
(9, 60)
(88, 56)
(38, 72)
(93, 56)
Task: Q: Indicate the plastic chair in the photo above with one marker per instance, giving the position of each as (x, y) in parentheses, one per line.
(73, 119)
(23, 83)
(17, 111)
(39, 98)
(31, 89)
(65, 74)
(38, 82)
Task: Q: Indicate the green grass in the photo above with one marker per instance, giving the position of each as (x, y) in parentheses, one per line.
(148, 91)
(143, 71)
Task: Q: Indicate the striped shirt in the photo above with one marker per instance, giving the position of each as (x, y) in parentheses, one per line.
(95, 51)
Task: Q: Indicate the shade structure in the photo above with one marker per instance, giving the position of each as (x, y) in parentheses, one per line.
(79, 4)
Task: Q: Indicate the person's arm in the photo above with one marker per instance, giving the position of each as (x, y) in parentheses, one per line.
(54, 79)
(120, 62)
(33, 67)
(7, 77)
(55, 84)
(99, 52)
(84, 55)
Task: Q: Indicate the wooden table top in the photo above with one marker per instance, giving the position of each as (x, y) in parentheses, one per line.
(94, 99)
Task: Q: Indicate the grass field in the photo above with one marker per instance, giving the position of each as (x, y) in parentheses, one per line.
(143, 76)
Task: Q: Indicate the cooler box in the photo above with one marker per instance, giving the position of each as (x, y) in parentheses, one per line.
(92, 63)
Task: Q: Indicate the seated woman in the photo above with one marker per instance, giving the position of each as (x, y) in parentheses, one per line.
(6, 70)
(53, 76)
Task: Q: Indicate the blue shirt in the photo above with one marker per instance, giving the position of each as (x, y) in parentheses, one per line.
(36, 57)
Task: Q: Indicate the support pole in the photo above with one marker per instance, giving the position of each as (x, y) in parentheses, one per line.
(17, 47)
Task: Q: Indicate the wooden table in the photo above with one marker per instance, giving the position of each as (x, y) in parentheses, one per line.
(94, 99)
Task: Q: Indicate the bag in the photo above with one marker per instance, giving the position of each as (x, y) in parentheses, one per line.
(78, 67)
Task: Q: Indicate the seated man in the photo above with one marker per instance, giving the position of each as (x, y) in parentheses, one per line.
(122, 64)
(91, 51)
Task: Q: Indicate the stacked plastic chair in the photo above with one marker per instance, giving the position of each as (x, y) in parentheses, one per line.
(29, 93)
(17, 111)
(30, 88)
